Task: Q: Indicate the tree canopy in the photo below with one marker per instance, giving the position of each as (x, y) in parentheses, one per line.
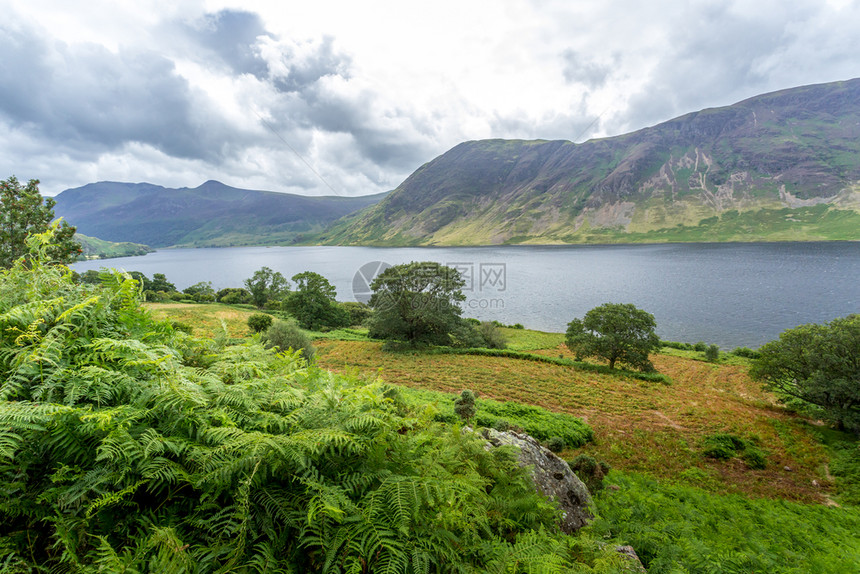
(615, 332)
(818, 365)
(313, 303)
(266, 285)
(416, 302)
(24, 212)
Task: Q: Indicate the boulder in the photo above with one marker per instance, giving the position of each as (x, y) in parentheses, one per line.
(552, 477)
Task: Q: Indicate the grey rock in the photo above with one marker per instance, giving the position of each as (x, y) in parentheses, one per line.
(552, 477)
(630, 553)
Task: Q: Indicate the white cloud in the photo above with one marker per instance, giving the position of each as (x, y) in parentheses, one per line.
(365, 92)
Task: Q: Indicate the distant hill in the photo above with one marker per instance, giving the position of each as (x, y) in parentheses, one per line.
(95, 248)
(780, 166)
(212, 214)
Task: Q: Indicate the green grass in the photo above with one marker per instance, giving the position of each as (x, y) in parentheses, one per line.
(685, 529)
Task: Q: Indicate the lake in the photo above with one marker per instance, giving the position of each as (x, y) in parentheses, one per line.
(735, 294)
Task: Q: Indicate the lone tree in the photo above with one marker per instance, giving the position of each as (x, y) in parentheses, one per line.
(819, 365)
(616, 332)
(265, 285)
(23, 211)
(313, 303)
(416, 302)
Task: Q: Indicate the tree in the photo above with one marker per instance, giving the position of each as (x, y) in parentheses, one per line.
(23, 212)
(818, 365)
(266, 285)
(201, 292)
(416, 302)
(313, 302)
(616, 332)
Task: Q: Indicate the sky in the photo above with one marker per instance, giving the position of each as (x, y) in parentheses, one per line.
(349, 98)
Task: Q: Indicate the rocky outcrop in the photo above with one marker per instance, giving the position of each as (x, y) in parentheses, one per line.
(552, 477)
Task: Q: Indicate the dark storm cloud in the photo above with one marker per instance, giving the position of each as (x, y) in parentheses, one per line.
(232, 36)
(85, 97)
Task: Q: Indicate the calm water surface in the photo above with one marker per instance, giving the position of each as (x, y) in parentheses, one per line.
(729, 294)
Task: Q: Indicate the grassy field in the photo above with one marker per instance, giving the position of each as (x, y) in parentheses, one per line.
(639, 426)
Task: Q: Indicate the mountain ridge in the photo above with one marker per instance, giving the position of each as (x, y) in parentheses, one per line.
(755, 166)
(211, 214)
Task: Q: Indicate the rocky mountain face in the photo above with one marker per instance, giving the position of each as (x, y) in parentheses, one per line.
(212, 214)
(784, 165)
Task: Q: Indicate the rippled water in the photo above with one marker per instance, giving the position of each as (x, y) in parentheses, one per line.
(729, 294)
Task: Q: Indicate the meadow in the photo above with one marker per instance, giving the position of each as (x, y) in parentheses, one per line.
(669, 498)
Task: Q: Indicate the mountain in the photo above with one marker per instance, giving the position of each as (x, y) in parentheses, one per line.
(212, 214)
(95, 248)
(784, 165)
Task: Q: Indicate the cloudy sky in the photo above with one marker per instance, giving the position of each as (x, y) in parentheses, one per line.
(348, 97)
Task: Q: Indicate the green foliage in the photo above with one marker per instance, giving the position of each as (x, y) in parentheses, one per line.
(464, 406)
(556, 444)
(590, 471)
(24, 212)
(615, 332)
(700, 346)
(285, 335)
(233, 296)
(201, 292)
(684, 529)
(492, 336)
(259, 322)
(158, 283)
(417, 303)
(533, 420)
(126, 446)
(358, 312)
(266, 285)
(845, 467)
(819, 365)
(746, 352)
(313, 303)
(723, 446)
(712, 353)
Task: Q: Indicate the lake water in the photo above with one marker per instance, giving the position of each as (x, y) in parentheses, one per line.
(729, 294)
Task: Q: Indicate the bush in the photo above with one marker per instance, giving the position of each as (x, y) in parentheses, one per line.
(712, 354)
(700, 346)
(589, 471)
(259, 322)
(517, 326)
(233, 296)
(556, 444)
(746, 352)
(464, 406)
(723, 446)
(492, 336)
(358, 313)
(285, 335)
(677, 345)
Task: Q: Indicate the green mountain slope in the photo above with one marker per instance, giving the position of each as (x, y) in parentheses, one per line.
(212, 214)
(95, 248)
(781, 166)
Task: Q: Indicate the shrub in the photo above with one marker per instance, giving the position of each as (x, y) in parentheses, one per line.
(259, 322)
(712, 354)
(233, 296)
(492, 336)
(746, 352)
(589, 471)
(700, 346)
(556, 444)
(464, 406)
(723, 446)
(517, 326)
(358, 312)
(285, 335)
